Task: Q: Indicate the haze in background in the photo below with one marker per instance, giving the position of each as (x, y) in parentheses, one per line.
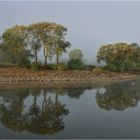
(90, 24)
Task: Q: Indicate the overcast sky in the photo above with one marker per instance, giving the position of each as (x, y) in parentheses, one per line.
(90, 23)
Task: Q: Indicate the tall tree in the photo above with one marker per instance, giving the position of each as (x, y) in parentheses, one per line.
(60, 43)
(34, 41)
(136, 54)
(14, 42)
(119, 56)
(43, 31)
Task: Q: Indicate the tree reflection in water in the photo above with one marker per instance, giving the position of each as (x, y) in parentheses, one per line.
(11, 110)
(119, 96)
(44, 119)
(75, 93)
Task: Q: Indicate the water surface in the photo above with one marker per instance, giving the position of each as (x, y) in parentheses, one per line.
(105, 111)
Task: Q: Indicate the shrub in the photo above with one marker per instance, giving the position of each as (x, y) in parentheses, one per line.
(62, 66)
(89, 67)
(46, 67)
(49, 67)
(110, 67)
(53, 66)
(24, 63)
(35, 66)
(98, 71)
(75, 64)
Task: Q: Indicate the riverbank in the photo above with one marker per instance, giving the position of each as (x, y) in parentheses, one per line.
(23, 75)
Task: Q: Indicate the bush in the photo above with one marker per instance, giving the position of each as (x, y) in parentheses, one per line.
(89, 67)
(24, 63)
(53, 66)
(35, 66)
(98, 71)
(46, 67)
(75, 64)
(49, 67)
(110, 67)
(62, 66)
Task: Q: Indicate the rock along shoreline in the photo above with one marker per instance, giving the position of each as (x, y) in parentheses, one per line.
(20, 76)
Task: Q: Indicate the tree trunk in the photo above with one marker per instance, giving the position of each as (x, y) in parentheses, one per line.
(35, 99)
(44, 101)
(57, 58)
(45, 55)
(56, 98)
(35, 55)
(110, 74)
(46, 60)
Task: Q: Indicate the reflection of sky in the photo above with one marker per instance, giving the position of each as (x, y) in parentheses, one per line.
(90, 24)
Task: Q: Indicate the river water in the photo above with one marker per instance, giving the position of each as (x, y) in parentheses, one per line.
(102, 111)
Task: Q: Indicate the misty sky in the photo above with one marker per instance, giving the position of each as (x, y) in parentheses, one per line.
(90, 24)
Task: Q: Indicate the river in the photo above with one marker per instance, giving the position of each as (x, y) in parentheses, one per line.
(102, 111)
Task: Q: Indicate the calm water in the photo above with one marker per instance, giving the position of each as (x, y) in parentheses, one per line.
(107, 111)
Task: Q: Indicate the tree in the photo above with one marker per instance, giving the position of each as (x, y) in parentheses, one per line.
(136, 54)
(34, 41)
(3, 54)
(42, 33)
(123, 56)
(15, 45)
(76, 54)
(60, 43)
(118, 57)
(75, 59)
(52, 36)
